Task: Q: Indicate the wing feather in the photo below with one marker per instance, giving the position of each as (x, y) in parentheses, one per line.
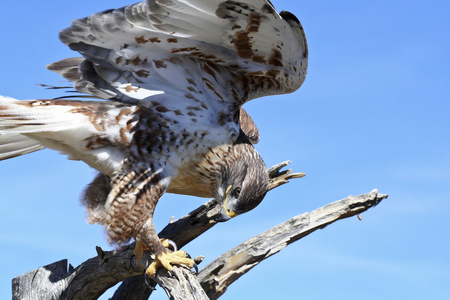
(223, 52)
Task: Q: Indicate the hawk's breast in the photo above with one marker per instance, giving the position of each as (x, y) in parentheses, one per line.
(199, 176)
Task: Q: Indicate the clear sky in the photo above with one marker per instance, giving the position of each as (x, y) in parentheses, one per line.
(374, 112)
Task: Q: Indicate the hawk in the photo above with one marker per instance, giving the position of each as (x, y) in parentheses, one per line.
(176, 74)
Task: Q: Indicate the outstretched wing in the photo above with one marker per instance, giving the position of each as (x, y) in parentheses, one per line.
(214, 51)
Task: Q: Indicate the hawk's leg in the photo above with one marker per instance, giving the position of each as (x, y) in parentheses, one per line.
(131, 204)
(166, 259)
(140, 247)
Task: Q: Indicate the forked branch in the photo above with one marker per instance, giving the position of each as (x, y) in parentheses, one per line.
(93, 277)
(219, 274)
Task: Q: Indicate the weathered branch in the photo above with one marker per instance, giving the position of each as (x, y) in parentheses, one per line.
(182, 284)
(278, 177)
(134, 288)
(219, 274)
(93, 277)
(43, 281)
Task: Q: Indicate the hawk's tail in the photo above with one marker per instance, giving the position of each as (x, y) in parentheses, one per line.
(13, 144)
(16, 144)
(22, 124)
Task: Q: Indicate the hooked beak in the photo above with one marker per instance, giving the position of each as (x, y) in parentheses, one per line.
(225, 213)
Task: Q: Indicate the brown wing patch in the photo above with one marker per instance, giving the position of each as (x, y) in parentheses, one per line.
(135, 61)
(248, 126)
(254, 21)
(276, 58)
(160, 64)
(154, 40)
(141, 40)
(142, 73)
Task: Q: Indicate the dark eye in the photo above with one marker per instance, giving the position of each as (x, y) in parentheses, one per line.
(237, 191)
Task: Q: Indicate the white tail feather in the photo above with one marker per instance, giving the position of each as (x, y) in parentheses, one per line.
(27, 126)
(62, 125)
(16, 144)
(35, 116)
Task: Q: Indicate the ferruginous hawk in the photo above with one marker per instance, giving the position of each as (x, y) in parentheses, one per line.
(176, 74)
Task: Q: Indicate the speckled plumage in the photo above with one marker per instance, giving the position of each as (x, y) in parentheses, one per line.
(177, 74)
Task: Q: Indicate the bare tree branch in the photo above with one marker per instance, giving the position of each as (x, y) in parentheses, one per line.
(219, 274)
(182, 284)
(93, 277)
(278, 177)
(134, 288)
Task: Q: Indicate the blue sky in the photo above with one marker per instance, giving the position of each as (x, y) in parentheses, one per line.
(373, 113)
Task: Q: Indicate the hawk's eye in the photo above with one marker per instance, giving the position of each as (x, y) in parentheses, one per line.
(237, 191)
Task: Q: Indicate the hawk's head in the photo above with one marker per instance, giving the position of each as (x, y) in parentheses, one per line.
(243, 184)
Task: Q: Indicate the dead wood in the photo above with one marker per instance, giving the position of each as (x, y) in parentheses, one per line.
(93, 277)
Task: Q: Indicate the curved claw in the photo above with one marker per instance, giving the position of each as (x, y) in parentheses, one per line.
(166, 259)
(132, 260)
(167, 243)
(174, 246)
(195, 266)
(150, 286)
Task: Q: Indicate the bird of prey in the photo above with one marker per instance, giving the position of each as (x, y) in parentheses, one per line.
(176, 74)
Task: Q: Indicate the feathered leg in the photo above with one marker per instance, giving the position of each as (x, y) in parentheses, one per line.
(130, 207)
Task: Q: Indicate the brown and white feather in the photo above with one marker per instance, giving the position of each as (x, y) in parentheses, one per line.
(177, 74)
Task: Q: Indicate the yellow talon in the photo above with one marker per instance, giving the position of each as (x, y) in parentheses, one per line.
(139, 249)
(165, 243)
(166, 259)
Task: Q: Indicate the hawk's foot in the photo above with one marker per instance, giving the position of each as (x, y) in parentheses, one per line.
(166, 260)
(140, 247)
(169, 243)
